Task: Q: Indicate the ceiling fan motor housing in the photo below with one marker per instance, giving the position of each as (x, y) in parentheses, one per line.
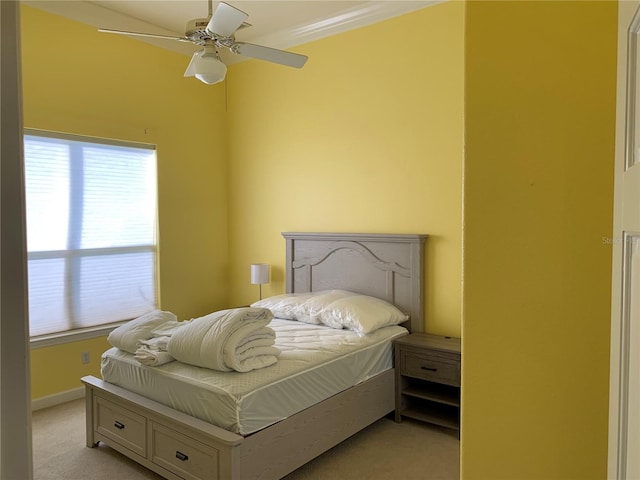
(196, 30)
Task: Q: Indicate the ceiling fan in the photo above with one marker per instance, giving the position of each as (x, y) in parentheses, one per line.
(217, 31)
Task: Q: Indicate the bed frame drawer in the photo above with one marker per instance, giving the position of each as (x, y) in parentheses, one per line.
(121, 425)
(182, 455)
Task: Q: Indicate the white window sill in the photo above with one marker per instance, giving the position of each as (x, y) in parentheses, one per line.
(73, 335)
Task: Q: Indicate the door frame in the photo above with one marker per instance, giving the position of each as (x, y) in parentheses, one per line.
(627, 76)
(15, 397)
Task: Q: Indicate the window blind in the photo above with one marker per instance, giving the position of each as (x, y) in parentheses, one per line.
(91, 231)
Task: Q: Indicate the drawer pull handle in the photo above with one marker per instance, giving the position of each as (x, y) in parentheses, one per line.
(181, 456)
(429, 369)
(118, 425)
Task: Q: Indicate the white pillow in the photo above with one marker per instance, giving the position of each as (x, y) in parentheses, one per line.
(284, 306)
(310, 310)
(361, 313)
(304, 307)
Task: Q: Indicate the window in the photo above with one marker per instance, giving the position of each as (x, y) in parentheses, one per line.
(91, 231)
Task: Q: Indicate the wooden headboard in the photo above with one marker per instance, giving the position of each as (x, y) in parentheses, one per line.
(389, 267)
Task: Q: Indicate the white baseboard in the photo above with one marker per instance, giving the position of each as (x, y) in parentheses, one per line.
(56, 399)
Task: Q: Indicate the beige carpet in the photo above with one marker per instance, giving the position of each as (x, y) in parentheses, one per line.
(410, 450)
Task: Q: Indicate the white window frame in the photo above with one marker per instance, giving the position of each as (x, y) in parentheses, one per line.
(78, 334)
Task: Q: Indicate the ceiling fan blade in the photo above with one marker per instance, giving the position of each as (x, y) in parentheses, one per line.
(226, 20)
(269, 54)
(138, 34)
(191, 69)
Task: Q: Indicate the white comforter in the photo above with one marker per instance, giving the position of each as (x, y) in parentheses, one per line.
(237, 339)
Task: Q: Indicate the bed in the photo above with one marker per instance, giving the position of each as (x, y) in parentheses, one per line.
(180, 445)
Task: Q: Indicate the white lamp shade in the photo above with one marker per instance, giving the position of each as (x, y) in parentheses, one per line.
(259, 273)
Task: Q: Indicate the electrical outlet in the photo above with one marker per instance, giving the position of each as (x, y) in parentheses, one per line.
(85, 357)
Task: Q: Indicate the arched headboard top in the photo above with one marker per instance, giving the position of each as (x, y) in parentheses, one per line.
(387, 266)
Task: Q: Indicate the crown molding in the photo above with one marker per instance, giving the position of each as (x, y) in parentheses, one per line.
(345, 20)
(349, 19)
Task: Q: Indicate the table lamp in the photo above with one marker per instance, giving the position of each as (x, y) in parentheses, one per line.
(259, 275)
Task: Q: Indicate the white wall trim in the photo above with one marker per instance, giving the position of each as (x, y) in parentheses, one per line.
(73, 335)
(56, 399)
(345, 20)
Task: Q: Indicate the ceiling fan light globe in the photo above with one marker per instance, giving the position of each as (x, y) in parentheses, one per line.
(209, 79)
(210, 70)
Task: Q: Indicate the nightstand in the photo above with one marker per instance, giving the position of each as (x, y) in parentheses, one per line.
(428, 379)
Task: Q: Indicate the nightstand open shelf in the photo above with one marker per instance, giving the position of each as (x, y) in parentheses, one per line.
(433, 415)
(435, 392)
(428, 379)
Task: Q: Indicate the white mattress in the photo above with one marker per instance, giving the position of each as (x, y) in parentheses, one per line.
(316, 363)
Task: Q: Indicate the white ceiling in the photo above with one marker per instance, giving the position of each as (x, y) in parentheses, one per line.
(274, 23)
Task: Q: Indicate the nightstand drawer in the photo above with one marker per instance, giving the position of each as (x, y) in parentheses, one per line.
(434, 369)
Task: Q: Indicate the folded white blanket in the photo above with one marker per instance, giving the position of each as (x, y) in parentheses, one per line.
(236, 339)
(127, 336)
(153, 352)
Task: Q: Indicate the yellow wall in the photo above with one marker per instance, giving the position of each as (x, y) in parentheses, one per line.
(538, 183)
(370, 136)
(79, 81)
(367, 137)
(59, 369)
